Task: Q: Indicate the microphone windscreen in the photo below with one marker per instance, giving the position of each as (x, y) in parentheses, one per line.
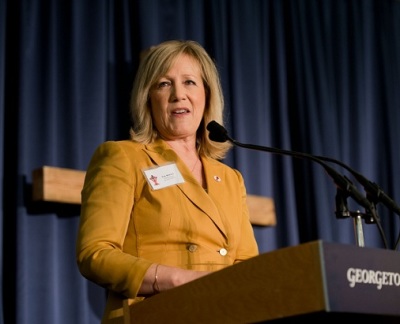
(217, 133)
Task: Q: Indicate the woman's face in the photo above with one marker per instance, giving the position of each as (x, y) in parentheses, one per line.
(178, 100)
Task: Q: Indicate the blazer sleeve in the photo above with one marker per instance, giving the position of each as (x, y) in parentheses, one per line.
(107, 202)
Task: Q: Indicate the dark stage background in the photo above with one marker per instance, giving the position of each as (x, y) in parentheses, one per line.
(321, 77)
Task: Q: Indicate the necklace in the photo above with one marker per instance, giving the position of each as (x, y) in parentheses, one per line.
(194, 166)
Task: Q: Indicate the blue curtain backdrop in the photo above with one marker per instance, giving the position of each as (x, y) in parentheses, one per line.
(321, 77)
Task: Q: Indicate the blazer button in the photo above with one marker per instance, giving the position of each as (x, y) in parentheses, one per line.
(192, 247)
(223, 252)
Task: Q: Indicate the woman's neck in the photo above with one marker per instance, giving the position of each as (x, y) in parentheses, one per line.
(189, 154)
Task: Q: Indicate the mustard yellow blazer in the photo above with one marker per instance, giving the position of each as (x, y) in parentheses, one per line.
(126, 225)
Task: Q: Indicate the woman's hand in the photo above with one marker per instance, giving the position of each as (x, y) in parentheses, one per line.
(160, 277)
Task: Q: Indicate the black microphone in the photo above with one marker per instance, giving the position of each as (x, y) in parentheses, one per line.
(218, 133)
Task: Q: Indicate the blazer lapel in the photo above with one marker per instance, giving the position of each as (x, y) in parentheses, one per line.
(161, 154)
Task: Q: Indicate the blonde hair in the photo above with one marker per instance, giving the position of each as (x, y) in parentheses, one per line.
(155, 64)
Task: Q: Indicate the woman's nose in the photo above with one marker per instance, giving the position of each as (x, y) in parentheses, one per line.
(178, 92)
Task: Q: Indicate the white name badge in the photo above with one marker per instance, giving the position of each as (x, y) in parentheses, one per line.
(163, 176)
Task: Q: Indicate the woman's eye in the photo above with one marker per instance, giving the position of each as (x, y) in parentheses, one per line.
(190, 82)
(163, 84)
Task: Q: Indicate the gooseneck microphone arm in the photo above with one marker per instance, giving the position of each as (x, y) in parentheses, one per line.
(218, 133)
(342, 182)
